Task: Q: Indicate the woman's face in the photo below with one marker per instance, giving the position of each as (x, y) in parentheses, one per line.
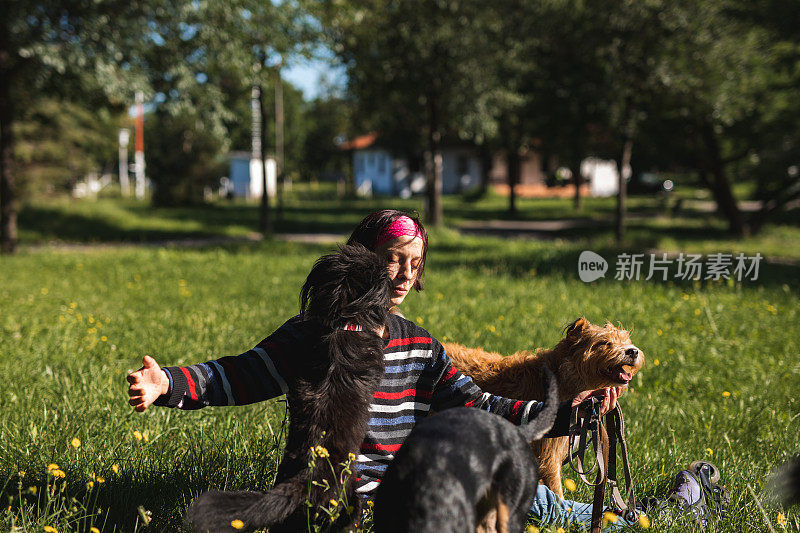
(403, 257)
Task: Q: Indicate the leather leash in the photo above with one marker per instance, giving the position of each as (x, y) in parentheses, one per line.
(605, 448)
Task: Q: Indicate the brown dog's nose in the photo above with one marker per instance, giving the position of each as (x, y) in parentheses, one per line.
(632, 352)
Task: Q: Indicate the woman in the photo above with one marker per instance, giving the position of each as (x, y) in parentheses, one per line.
(418, 377)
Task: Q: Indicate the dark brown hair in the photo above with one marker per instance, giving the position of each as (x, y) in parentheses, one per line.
(368, 230)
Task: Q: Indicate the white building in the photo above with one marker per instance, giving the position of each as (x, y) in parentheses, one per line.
(377, 171)
(246, 175)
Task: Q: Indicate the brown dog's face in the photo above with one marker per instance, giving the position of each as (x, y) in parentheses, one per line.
(600, 356)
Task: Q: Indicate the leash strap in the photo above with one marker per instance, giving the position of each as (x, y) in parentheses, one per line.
(580, 428)
(605, 449)
(616, 434)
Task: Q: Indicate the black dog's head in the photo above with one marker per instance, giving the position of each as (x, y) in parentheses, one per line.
(351, 286)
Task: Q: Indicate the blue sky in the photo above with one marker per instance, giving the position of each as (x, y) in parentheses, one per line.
(309, 75)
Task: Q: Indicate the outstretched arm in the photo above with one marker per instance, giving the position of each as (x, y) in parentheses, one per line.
(256, 375)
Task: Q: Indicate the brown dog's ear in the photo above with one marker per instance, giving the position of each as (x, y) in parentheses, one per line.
(577, 326)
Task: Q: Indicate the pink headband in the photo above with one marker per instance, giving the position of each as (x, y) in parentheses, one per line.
(400, 227)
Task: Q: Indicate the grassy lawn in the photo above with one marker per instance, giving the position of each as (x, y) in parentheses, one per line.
(654, 223)
(720, 379)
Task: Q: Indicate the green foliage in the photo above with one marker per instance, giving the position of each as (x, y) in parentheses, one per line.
(59, 142)
(184, 160)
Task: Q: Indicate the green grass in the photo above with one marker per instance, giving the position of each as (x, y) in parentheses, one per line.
(653, 222)
(63, 381)
(74, 323)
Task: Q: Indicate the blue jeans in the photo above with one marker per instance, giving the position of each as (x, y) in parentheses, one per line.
(551, 509)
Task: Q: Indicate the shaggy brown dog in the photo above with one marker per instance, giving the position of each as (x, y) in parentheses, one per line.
(588, 357)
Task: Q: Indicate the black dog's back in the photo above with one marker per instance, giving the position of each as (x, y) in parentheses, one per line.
(331, 380)
(454, 459)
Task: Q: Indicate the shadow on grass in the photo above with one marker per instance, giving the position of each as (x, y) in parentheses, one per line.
(166, 492)
(562, 262)
(57, 224)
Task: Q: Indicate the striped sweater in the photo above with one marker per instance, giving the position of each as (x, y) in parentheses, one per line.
(418, 378)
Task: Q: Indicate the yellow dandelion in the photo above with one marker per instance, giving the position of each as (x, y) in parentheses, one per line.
(145, 437)
(50, 529)
(659, 333)
(237, 524)
(709, 451)
(33, 489)
(610, 517)
(101, 479)
(560, 530)
(351, 456)
(370, 504)
(76, 443)
(781, 519)
(491, 328)
(531, 529)
(89, 484)
(62, 318)
(115, 469)
(570, 485)
(656, 362)
(696, 312)
(104, 338)
(44, 291)
(137, 435)
(334, 503)
(321, 451)
(419, 320)
(670, 351)
(73, 305)
(94, 530)
(644, 522)
(59, 473)
(21, 473)
(52, 466)
(726, 394)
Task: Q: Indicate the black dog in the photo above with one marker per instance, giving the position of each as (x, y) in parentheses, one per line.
(785, 483)
(461, 466)
(331, 382)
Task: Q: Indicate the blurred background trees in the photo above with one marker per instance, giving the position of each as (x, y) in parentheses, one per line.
(709, 89)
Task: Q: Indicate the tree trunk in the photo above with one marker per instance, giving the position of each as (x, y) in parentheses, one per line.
(8, 195)
(771, 206)
(486, 168)
(578, 179)
(514, 165)
(720, 187)
(622, 166)
(433, 167)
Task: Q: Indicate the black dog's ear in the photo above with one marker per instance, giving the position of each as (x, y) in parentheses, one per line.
(577, 326)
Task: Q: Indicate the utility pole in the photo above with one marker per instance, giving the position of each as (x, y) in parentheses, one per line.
(279, 137)
(139, 154)
(124, 183)
(257, 133)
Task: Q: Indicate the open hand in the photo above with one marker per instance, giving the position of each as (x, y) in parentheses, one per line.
(147, 384)
(608, 395)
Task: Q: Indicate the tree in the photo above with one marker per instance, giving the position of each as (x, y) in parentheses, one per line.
(58, 142)
(418, 67)
(66, 46)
